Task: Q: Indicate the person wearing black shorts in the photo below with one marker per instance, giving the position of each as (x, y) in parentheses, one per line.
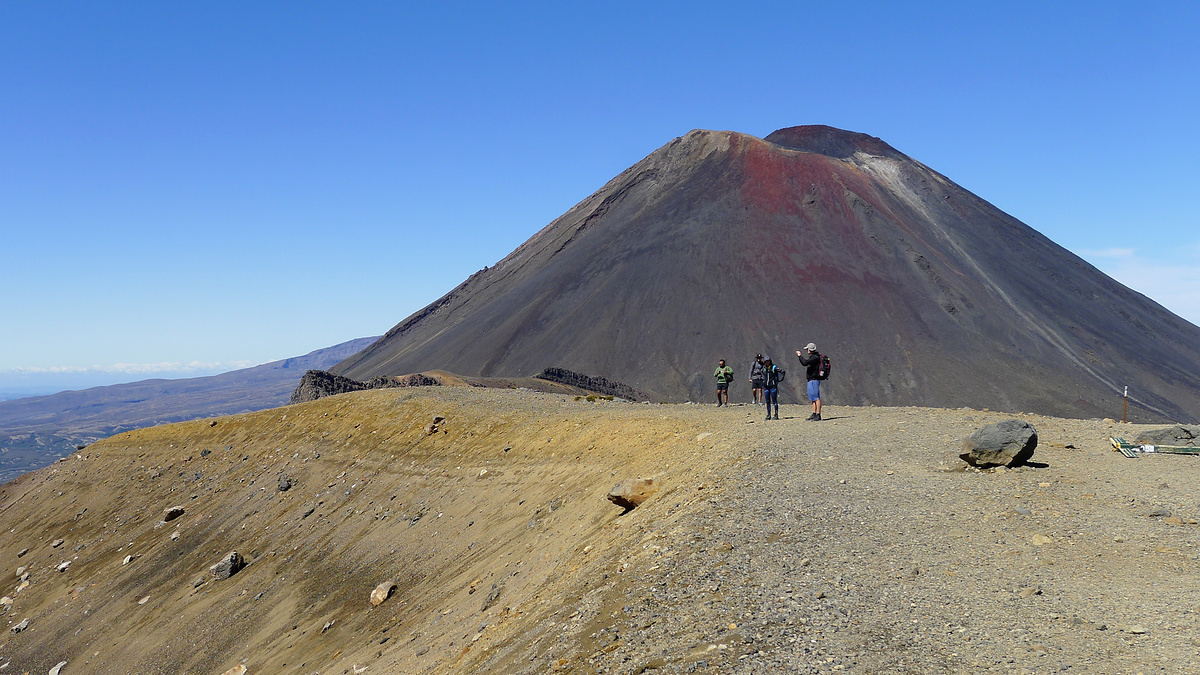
(756, 379)
(724, 376)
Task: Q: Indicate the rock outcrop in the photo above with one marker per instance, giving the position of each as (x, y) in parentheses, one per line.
(317, 384)
(600, 385)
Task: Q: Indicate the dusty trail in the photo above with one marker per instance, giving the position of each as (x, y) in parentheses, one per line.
(851, 545)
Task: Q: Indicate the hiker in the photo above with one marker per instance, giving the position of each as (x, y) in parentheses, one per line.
(772, 376)
(756, 379)
(724, 376)
(812, 363)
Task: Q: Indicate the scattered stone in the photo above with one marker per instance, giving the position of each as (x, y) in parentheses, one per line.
(20, 571)
(382, 592)
(21, 626)
(630, 493)
(62, 566)
(1159, 513)
(144, 600)
(57, 543)
(492, 598)
(198, 583)
(285, 483)
(230, 565)
(205, 452)
(1030, 592)
(1173, 520)
(1137, 629)
(1009, 443)
(308, 512)
(175, 535)
(128, 559)
(1040, 540)
(239, 669)
(57, 669)
(22, 552)
(6, 602)
(328, 625)
(1021, 510)
(171, 513)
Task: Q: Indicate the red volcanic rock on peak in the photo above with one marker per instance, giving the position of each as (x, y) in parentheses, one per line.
(724, 245)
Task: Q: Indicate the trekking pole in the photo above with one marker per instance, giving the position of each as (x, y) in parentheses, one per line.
(1125, 412)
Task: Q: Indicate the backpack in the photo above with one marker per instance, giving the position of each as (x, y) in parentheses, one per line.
(823, 372)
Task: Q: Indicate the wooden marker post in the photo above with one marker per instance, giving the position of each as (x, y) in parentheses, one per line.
(1125, 412)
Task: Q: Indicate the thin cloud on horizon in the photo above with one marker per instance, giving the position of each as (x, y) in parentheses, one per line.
(131, 368)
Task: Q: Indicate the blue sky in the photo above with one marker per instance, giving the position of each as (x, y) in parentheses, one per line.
(191, 187)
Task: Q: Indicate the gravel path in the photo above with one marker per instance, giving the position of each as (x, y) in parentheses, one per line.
(858, 544)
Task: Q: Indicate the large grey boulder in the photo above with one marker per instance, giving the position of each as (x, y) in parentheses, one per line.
(1008, 443)
(1180, 434)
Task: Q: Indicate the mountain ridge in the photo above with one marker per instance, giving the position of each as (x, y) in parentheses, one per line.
(35, 431)
(722, 245)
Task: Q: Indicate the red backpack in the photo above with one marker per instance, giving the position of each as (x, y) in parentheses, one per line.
(823, 372)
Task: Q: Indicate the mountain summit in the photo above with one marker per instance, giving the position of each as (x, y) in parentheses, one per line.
(723, 245)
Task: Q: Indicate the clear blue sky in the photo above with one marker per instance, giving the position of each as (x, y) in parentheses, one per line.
(221, 184)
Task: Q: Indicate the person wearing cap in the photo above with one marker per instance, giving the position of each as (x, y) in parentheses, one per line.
(812, 364)
(756, 379)
(724, 376)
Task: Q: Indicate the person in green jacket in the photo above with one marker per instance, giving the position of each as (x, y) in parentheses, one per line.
(724, 376)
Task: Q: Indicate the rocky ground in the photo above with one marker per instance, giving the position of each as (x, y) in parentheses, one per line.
(858, 544)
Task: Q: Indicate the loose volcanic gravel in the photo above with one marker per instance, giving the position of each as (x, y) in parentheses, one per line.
(862, 544)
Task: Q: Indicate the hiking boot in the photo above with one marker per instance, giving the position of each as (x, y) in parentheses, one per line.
(811, 417)
(768, 417)
(817, 417)
(776, 415)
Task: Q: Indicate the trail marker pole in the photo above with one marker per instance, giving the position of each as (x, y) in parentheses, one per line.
(1125, 412)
